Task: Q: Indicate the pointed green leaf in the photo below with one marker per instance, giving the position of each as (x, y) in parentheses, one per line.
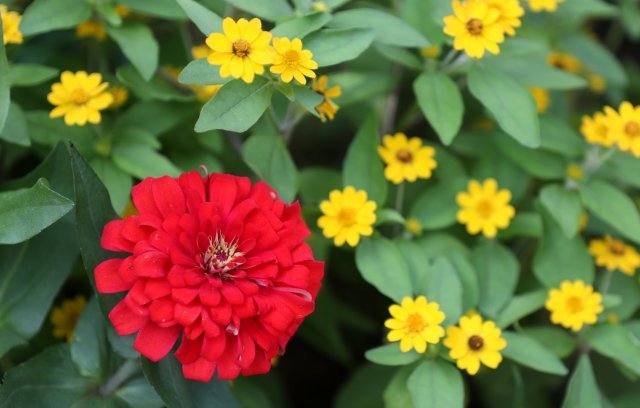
(436, 384)
(331, 47)
(564, 206)
(206, 20)
(391, 355)
(583, 390)
(441, 102)
(388, 28)
(138, 44)
(380, 263)
(526, 351)
(498, 272)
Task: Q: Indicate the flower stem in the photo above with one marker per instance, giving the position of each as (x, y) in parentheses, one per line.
(400, 198)
(123, 373)
(606, 283)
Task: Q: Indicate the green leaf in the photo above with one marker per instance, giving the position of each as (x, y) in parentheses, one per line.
(380, 263)
(560, 137)
(15, 128)
(388, 28)
(138, 44)
(555, 339)
(269, 158)
(363, 167)
(168, 9)
(25, 213)
(271, 10)
(155, 117)
(364, 387)
(396, 394)
(331, 47)
(434, 206)
(391, 355)
(5, 97)
(423, 16)
(442, 285)
(117, 182)
(48, 15)
(200, 72)
(317, 182)
(400, 55)
(596, 57)
(521, 306)
(614, 207)
(564, 206)
(89, 346)
(498, 271)
(526, 351)
(559, 258)
(361, 86)
(48, 379)
(139, 393)
(301, 26)
(142, 161)
(436, 384)
(509, 102)
(582, 390)
(308, 99)
(236, 107)
(206, 20)
(109, 13)
(524, 224)
(618, 343)
(30, 74)
(530, 71)
(166, 378)
(441, 102)
(537, 162)
(155, 89)
(389, 216)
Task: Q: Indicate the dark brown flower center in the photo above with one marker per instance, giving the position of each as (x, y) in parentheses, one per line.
(475, 343)
(241, 48)
(632, 128)
(404, 156)
(475, 26)
(616, 248)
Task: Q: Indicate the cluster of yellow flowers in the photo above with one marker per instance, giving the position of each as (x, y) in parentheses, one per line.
(417, 323)
(65, 317)
(10, 26)
(243, 49)
(480, 25)
(619, 128)
(96, 28)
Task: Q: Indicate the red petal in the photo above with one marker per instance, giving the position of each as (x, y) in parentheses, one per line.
(161, 310)
(184, 295)
(155, 342)
(152, 264)
(296, 276)
(132, 231)
(189, 350)
(168, 196)
(126, 270)
(200, 370)
(248, 352)
(213, 347)
(157, 288)
(186, 314)
(223, 191)
(228, 367)
(161, 241)
(112, 239)
(232, 294)
(124, 320)
(108, 280)
(209, 295)
(261, 364)
(142, 196)
(192, 185)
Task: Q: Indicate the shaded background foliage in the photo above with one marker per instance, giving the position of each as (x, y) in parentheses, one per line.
(324, 364)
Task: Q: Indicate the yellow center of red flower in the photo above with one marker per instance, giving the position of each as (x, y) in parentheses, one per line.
(79, 96)
(415, 322)
(484, 208)
(475, 343)
(475, 26)
(574, 304)
(241, 48)
(632, 128)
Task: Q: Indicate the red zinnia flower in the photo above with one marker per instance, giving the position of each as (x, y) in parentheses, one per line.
(216, 259)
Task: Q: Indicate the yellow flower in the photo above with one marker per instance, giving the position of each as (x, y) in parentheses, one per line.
(544, 5)
(574, 304)
(10, 26)
(291, 61)
(596, 129)
(65, 317)
(473, 342)
(614, 254)
(205, 92)
(625, 128)
(597, 83)
(200, 51)
(91, 29)
(242, 50)
(484, 208)
(510, 13)
(584, 220)
(415, 323)
(612, 318)
(327, 109)
(79, 98)
(475, 28)
(432, 51)
(123, 11)
(406, 159)
(541, 96)
(120, 96)
(347, 215)
(565, 62)
(319, 6)
(575, 172)
(414, 226)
